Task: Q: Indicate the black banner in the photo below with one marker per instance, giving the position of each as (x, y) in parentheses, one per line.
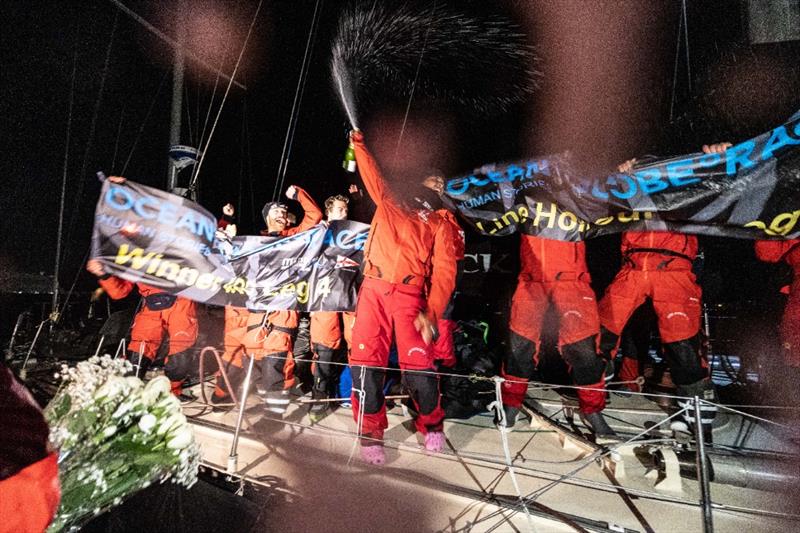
(751, 191)
(145, 235)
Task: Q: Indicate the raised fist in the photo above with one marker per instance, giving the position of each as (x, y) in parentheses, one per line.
(291, 192)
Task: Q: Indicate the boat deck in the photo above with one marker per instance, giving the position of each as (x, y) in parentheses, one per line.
(318, 482)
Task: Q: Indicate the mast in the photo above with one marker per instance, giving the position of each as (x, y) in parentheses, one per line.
(177, 98)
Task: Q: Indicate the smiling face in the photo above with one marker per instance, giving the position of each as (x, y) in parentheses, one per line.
(277, 218)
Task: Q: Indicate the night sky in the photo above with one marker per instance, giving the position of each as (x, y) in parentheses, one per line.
(606, 93)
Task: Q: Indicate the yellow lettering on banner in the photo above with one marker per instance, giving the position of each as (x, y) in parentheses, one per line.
(571, 221)
(237, 285)
(187, 276)
(624, 217)
(782, 224)
(168, 270)
(207, 281)
(550, 215)
(303, 292)
(123, 255)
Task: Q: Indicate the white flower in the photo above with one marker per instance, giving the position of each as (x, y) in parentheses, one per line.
(134, 383)
(111, 388)
(109, 431)
(155, 389)
(181, 438)
(172, 422)
(170, 404)
(147, 423)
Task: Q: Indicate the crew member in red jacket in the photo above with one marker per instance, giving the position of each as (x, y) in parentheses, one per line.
(159, 313)
(327, 330)
(443, 347)
(409, 250)
(788, 251)
(266, 335)
(658, 265)
(554, 273)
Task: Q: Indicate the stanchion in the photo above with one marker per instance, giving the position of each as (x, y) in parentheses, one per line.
(24, 373)
(233, 458)
(701, 462)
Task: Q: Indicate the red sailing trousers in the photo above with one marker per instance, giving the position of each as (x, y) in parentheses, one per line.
(249, 334)
(328, 329)
(675, 295)
(578, 330)
(443, 348)
(178, 321)
(385, 309)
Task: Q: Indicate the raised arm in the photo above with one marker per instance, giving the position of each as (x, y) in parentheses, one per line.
(370, 172)
(312, 215)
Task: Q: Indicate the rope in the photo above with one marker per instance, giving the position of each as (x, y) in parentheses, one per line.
(497, 405)
(298, 96)
(360, 417)
(413, 88)
(57, 268)
(225, 97)
(92, 129)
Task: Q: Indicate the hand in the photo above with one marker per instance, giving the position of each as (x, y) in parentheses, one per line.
(627, 166)
(424, 325)
(717, 148)
(228, 210)
(291, 192)
(116, 179)
(356, 135)
(98, 292)
(353, 189)
(95, 267)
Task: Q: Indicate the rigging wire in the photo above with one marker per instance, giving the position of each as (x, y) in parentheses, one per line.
(188, 112)
(298, 95)
(413, 88)
(65, 172)
(92, 129)
(225, 97)
(144, 122)
(116, 141)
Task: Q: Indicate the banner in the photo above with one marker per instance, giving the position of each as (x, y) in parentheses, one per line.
(146, 235)
(751, 191)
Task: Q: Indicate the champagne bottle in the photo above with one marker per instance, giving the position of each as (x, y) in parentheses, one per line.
(349, 163)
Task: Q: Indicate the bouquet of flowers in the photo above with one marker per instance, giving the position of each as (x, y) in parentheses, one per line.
(115, 436)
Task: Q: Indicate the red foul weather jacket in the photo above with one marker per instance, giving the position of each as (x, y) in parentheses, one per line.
(118, 288)
(406, 246)
(658, 250)
(776, 251)
(311, 216)
(551, 260)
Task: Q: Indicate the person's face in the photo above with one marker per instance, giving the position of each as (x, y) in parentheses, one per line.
(434, 183)
(337, 211)
(277, 219)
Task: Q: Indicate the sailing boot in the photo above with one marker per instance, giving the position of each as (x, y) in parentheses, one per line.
(597, 423)
(507, 419)
(322, 383)
(704, 390)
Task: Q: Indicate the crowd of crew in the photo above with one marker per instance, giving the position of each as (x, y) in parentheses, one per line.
(411, 266)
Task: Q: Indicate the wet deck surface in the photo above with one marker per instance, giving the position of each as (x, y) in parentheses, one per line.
(320, 484)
